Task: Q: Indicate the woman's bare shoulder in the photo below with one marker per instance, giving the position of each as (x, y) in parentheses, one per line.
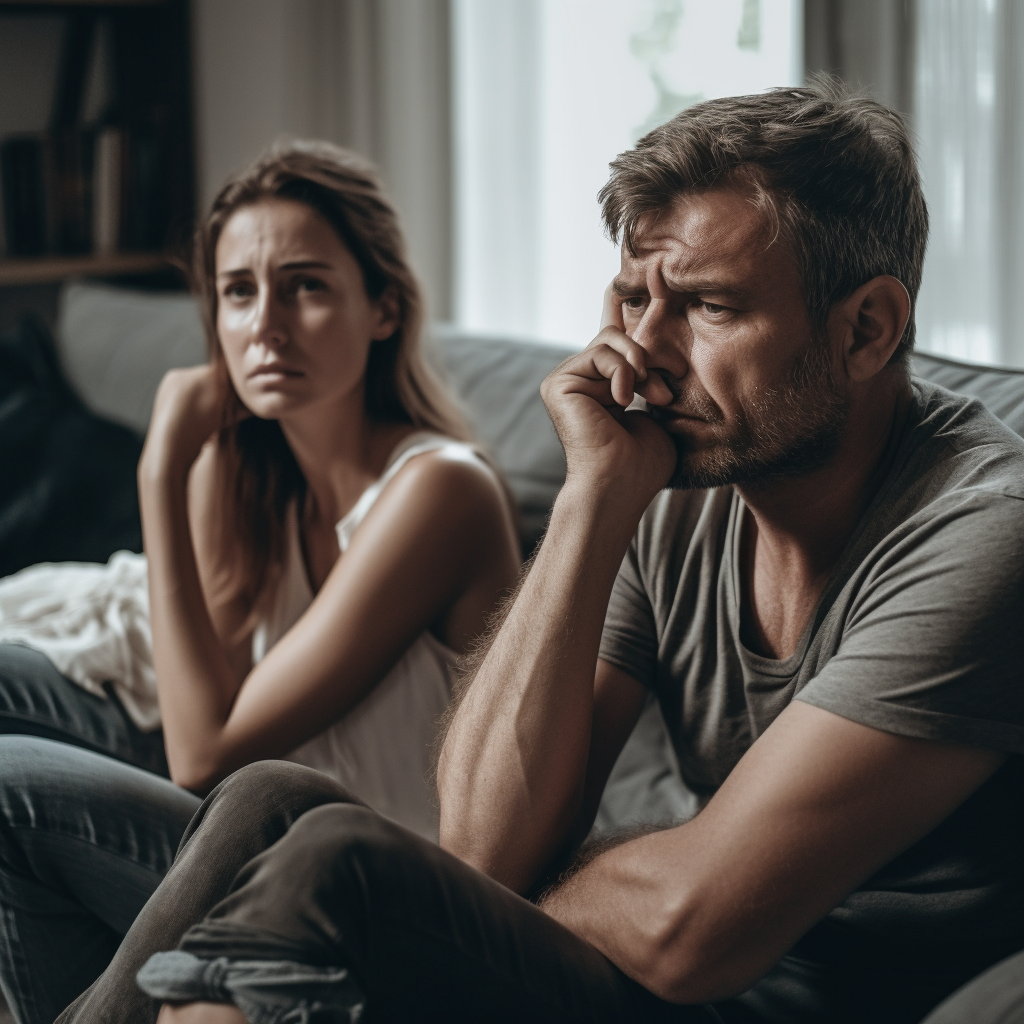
(454, 480)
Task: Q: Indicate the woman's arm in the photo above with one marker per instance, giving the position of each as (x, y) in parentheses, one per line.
(218, 553)
(440, 530)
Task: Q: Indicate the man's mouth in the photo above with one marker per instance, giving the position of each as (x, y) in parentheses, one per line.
(666, 416)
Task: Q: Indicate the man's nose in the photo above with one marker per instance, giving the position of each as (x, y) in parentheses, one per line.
(665, 336)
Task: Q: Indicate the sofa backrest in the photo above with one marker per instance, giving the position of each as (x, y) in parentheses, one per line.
(116, 344)
(498, 380)
(1000, 388)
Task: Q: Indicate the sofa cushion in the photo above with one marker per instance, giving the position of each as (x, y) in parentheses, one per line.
(116, 344)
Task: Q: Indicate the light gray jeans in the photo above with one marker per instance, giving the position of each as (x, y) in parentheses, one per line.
(84, 841)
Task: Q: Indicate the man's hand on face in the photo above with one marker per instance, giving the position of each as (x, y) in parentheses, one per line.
(586, 397)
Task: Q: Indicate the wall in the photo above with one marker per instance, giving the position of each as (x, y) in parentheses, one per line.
(370, 74)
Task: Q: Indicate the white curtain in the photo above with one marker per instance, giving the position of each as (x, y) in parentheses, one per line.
(954, 67)
(547, 92)
(969, 104)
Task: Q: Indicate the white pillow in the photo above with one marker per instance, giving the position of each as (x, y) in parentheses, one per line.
(116, 344)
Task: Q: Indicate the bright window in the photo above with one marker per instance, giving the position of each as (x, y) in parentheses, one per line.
(547, 93)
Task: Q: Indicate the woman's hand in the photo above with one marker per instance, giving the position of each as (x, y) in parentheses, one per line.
(189, 408)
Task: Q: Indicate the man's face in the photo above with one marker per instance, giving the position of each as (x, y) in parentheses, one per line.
(718, 308)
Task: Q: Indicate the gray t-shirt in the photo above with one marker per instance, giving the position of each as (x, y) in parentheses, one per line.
(919, 633)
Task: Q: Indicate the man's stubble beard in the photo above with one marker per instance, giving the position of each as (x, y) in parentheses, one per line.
(791, 430)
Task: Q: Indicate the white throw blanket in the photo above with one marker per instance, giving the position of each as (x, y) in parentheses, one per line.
(92, 622)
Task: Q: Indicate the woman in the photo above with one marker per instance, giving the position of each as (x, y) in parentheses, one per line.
(320, 546)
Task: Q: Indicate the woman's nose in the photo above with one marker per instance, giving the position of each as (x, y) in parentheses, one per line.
(269, 325)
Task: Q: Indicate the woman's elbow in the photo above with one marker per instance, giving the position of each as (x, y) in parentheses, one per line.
(197, 774)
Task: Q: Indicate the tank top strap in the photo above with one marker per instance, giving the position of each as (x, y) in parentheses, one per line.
(408, 448)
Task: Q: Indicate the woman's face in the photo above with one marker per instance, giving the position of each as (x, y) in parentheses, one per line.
(294, 321)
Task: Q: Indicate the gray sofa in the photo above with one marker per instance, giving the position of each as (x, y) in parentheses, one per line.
(115, 346)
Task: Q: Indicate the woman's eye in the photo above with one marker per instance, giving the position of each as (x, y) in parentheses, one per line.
(309, 284)
(238, 290)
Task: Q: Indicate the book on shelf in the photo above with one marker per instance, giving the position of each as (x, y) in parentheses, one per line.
(99, 187)
(106, 191)
(22, 169)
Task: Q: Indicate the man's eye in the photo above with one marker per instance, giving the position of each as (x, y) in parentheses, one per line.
(713, 308)
(635, 303)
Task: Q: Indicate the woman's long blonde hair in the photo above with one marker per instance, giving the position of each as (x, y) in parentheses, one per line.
(260, 476)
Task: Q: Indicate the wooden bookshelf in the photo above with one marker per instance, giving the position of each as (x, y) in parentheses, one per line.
(47, 269)
(103, 197)
(36, 4)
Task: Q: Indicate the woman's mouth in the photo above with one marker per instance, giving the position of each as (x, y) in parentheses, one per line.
(273, 371)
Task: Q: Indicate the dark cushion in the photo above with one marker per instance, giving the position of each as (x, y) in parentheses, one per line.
(67, 477)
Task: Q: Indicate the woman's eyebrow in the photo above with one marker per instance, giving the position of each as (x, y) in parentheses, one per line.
(291, 265)
(306, 265)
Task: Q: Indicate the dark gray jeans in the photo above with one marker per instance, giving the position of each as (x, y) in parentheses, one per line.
(281, 872)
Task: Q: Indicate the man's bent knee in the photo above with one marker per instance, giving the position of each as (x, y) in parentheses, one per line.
(264, 799)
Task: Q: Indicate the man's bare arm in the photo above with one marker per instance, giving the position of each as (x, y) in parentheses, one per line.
(513, 769)
(817, 805)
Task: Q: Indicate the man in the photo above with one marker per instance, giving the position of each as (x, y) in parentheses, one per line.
(825, 600)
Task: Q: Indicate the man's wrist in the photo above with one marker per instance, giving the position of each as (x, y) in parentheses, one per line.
(605, 499)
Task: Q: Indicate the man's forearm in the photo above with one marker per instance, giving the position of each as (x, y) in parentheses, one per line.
(512, 768)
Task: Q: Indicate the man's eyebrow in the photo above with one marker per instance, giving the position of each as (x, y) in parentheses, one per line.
(624, 286)
(704, 286)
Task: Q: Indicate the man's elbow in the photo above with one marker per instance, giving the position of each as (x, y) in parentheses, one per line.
(687, 962)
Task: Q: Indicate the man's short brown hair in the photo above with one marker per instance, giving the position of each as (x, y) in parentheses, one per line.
(835, 175)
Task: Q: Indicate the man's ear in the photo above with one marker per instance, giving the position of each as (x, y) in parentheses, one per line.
(388, 314)
(872, 321)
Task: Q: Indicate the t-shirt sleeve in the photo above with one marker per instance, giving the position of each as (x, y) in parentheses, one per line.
(932, 647)
(630, 637)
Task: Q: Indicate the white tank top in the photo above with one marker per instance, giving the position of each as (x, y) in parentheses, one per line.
(380, 750)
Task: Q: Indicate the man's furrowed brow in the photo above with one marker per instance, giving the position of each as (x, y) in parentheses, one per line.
(706, 286)
(629, 285)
